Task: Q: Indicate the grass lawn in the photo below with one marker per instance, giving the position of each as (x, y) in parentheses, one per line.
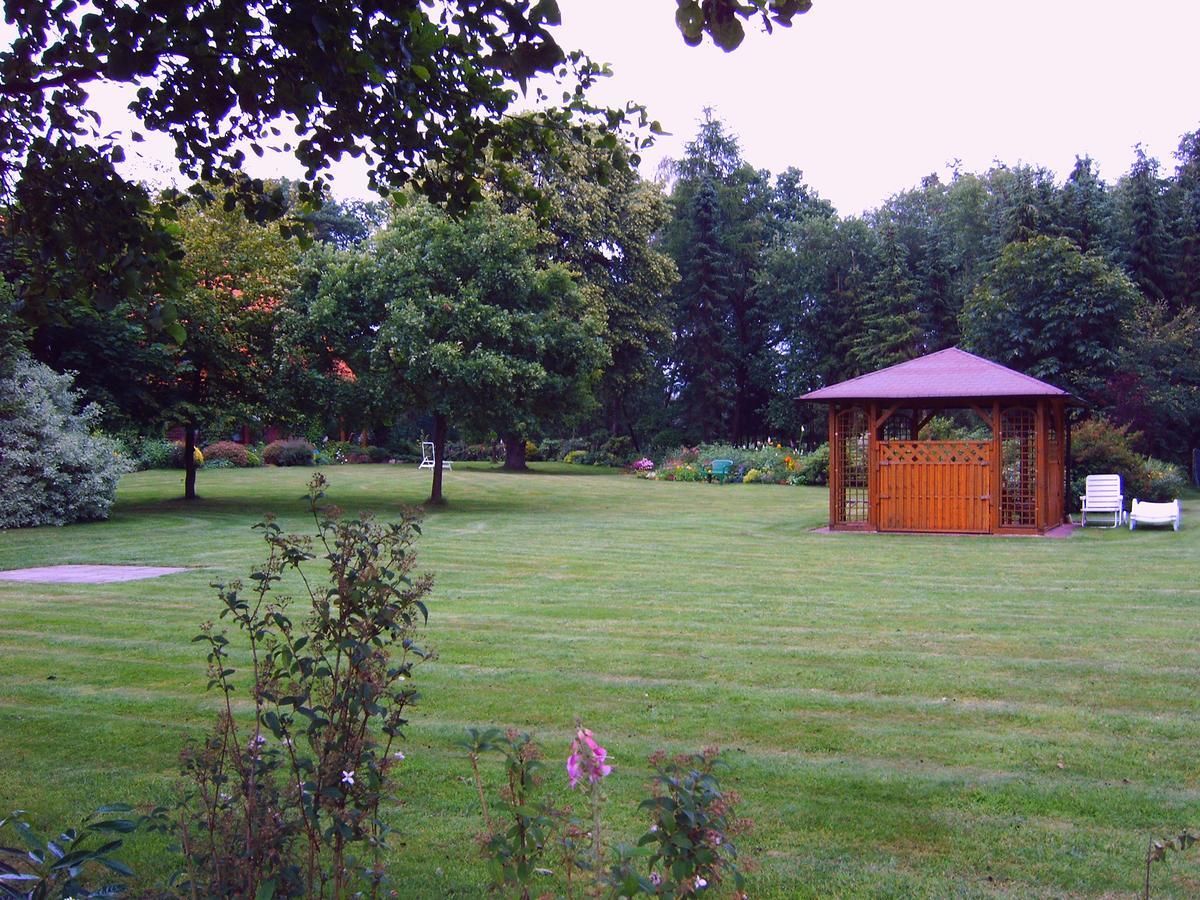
(906, 716)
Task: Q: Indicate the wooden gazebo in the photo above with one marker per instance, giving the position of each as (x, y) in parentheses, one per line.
(884, 477)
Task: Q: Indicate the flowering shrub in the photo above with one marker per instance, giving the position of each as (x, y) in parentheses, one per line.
(291, 452)
(813, 468)
(692, 826)
(1164, 481)
(280, 804)
(1099, 448)
(752, 476)
(153, 453)
(764, 457)
(230, 452)
(54, 466)
(643, 465)
(689, 848)
(688, 472)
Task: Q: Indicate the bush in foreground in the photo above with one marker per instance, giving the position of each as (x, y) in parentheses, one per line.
(54, 467)
(285, 802)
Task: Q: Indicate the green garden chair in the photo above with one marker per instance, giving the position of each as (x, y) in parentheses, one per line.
(720, 470)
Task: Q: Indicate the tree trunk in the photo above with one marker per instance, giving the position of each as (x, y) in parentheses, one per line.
(637, 445)
(189, 461)
(514, 452)
(439, 454)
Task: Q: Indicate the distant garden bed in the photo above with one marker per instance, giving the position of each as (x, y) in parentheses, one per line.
(763, 463)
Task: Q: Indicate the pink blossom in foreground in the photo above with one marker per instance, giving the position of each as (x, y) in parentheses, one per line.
(586, 759)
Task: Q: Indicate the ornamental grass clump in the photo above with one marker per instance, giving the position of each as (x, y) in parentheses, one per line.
(286, 801)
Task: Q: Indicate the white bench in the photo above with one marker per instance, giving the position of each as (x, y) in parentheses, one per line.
(1146, 513)
(1102, 494)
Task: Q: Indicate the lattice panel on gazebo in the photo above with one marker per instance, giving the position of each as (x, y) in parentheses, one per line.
(1018, 475)
(852, 443)
(967, 452)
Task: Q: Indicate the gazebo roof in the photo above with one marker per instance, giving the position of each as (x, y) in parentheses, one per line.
(950, 374)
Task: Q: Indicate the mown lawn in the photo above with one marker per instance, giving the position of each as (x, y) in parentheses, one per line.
(905, 716)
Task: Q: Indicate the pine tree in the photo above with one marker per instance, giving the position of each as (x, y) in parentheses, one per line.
(1146, 238)
(701, 354)
(891, 331)
(1186, 205)
(1084, 207)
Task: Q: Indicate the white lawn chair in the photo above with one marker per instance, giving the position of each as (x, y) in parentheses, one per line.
(1102, 494)
(427, 457)
(1146, 513)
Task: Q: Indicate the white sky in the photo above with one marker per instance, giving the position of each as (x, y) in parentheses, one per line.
(868, 96)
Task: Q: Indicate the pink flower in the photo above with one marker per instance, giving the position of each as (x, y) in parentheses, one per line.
(587, 759)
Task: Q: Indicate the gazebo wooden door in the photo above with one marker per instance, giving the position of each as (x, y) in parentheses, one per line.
(934, 486)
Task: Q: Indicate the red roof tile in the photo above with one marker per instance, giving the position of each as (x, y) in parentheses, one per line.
(946, 374)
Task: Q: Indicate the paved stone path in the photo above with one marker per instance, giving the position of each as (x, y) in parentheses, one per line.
(87, 574)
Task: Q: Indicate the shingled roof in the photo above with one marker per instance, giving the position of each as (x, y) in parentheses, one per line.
(944, 375)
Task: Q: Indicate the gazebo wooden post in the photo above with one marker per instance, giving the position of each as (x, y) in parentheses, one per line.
(1042, 485)
(835, 466)
(1060, 463)
(872, 466)
(997, 466)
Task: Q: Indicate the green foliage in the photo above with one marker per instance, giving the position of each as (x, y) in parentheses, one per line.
(1163, 481)
(813, 468)
(519, 840)
(693, 826)
(55, 468)
(155, 453)
(285, 806)
(575, 456)
(288, 452)
(891, 329)
(1050, 311)
(684, 472)
(1157, 387)
(66, 865)
(688, 850)
(233, 453)
(721, 19)
(1100, 448)
(478, 329)
(444, 70)
(764, 457)
(605, 220)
